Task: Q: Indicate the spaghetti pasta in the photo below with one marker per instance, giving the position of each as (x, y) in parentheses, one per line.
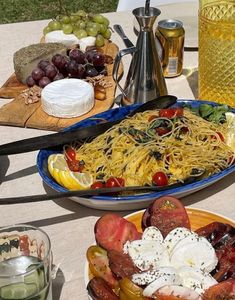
(138, 147)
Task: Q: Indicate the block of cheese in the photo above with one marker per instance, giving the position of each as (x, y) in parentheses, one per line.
(67, 98)
(58, 36)
(27, 58)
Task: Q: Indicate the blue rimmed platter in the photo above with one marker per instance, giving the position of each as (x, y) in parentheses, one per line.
(129, 201)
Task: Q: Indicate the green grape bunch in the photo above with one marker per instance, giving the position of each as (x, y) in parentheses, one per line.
(82, 24)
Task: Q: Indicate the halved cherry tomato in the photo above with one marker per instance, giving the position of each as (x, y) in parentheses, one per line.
(115, 182)
(75, 165)
(167, 213)
(70, 153)
(99, 264)
(130, 291)
(171, 112)
(160, 179)
(162, 130)
(112, 231)
(223, 290)
(97, 185)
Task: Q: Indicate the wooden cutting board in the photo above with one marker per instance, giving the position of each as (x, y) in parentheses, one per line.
(17, 113)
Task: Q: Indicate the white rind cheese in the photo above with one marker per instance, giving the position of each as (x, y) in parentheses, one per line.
(58, 36)
(69, 40)
(67, 98)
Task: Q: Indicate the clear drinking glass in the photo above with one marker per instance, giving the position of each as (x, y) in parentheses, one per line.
(25, 263)
(217, 51)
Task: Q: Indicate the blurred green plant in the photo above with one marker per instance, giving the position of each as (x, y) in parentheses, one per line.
(28, 10)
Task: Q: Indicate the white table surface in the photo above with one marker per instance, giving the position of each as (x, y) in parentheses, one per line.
(70, 225)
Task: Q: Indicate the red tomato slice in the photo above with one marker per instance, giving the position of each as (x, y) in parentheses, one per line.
(223, 290)
(112, 231)
(171, 112)
(167, 213)
(115, 182)
(160, 179)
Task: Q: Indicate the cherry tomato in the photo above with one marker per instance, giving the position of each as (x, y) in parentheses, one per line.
(115, 182)
(223, 290)
(75, 165)
(130, 291)
(99, 264)
(167, 213)
(171, 112)
(112, 231)
(97, 185)
(162, 130)
(160, 179)
(70, 154)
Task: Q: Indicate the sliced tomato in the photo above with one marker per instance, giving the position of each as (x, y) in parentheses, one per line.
(171, 112)
(167, 213)
(130, 291)
(97, 185)
(112, 231)
(223, 290)
(115, 182)
(98, 289)
(99, 265)
(121, 264)
(160, 179)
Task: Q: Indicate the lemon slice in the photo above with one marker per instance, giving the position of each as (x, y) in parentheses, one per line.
(230, 136)
(59, 170)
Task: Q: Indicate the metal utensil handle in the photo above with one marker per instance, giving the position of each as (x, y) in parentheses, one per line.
(117, 62)
(119, 30)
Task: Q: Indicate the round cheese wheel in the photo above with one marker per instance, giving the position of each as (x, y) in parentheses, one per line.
(67, 98)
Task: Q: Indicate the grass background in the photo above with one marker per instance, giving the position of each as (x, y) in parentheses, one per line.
(27, 10)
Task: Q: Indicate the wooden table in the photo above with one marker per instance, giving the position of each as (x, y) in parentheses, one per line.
(70, 225)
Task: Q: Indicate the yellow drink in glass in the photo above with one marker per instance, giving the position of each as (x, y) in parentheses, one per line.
(217, 51)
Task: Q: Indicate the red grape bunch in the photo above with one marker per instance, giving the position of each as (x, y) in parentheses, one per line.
(77, 64)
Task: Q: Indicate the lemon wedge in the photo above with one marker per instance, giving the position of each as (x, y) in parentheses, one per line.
(230, 136)
(59, 170)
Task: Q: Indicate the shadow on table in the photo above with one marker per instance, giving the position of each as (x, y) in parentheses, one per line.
(79, 211)
(4, 165)
(21, 173)
(57, 284)
(210, 190)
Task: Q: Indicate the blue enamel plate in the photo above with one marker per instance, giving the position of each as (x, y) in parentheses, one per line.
(131, 201)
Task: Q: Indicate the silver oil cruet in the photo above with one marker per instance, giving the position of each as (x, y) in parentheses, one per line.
(145, 80)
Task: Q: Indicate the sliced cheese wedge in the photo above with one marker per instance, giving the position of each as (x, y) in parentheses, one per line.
(57, 36)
